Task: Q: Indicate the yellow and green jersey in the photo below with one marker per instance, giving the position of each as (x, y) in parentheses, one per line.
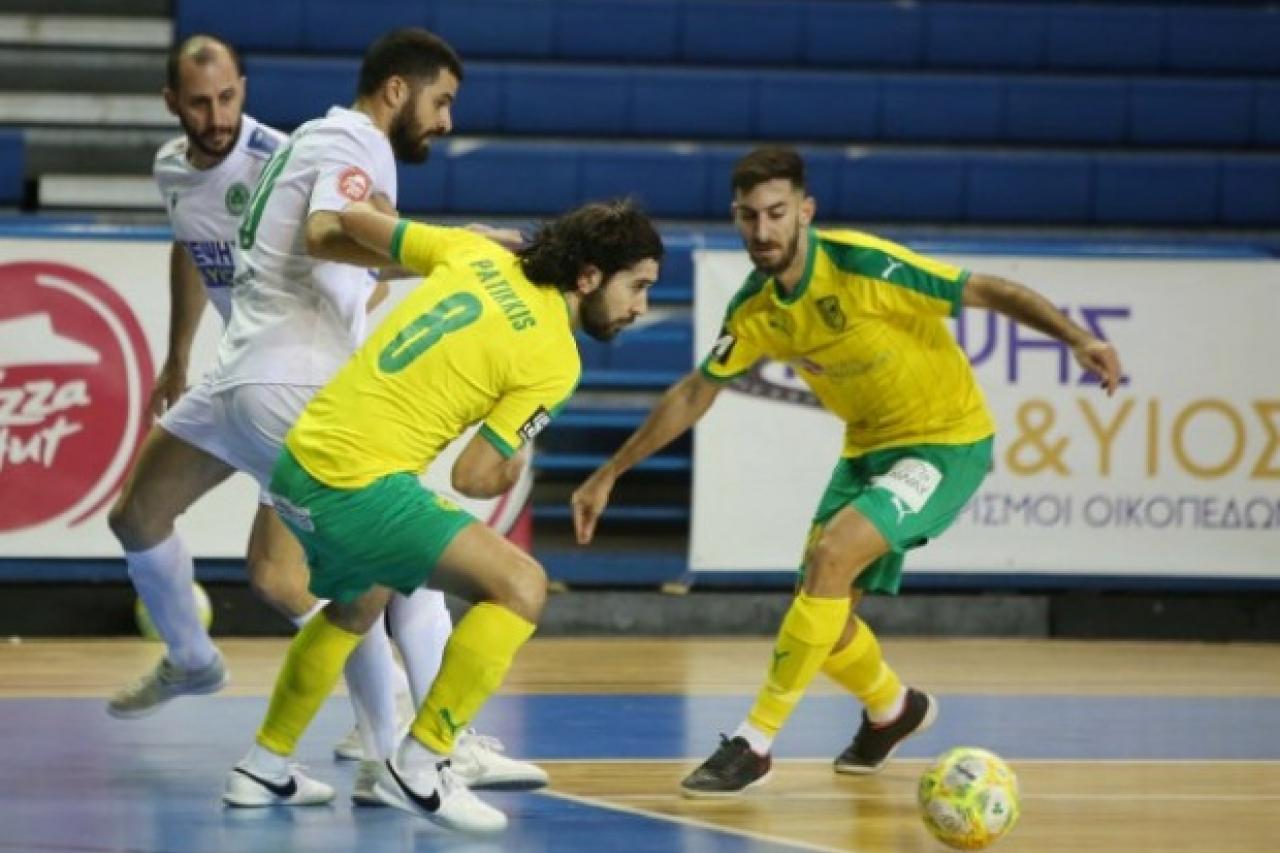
(476, 341)
(864, 329)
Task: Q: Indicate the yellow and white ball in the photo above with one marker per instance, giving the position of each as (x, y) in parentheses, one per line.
(148, 629)
(969, 798)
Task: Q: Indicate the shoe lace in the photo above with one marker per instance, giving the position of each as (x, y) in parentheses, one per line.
(449, 782)
(727, 755)
(487, 743)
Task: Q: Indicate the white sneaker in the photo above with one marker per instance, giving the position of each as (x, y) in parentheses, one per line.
(164, 682)
(351, 748)
(478, 761)
(363, 793)
(245, 789)
(436, 794)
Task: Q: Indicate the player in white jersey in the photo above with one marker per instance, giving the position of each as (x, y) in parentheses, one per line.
(298, 313)
(206, 177)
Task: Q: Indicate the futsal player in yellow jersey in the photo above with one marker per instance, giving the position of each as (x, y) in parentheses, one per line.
(488, 338)
(861, 320)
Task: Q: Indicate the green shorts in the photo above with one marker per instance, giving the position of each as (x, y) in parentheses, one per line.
(389, 533)
(911, 494)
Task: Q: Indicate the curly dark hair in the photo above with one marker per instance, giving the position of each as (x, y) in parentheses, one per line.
(609, 235)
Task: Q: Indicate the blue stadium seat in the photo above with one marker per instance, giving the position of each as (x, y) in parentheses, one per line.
(759, 31)
(1202, 39)
(285, 92)
(865, 34)
(1056, 110)
(943, 108)
(329, 26)
(1251, 191)
(1156, 189)
(816, 105)
(667, 181)
(568, 101)
(511, 29)
(1191, 112)
(659, 346)
(908, 187)
(423, 188)
(1029, 188)
(12, 166)
(512, 178)
(248, 24)
(985, 35)
(617, 30)
(1266, 114)
(674, 103)
(479, 108)
(1105, 38)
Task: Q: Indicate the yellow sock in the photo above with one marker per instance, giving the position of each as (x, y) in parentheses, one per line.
(809, 630)
(315, 660)
(860, 668)
(475, 661)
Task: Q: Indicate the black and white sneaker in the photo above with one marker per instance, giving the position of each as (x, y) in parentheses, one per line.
(731, 769)
(875, 744)
(436, 794)
(246, 789)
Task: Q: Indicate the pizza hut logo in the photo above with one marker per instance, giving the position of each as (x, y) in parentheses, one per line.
(74, 374)
(354, 184)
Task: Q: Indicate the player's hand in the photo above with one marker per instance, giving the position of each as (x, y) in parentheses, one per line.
(588, 502)
(171, 383)
(507, 238)
(1100, 358)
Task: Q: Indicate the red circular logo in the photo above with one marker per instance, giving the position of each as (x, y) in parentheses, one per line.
(74, 372)
(354, 183)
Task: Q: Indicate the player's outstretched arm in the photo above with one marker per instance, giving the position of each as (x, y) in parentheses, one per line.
(1031, 309)
(683, 404)
(354, 235)
(186, 305)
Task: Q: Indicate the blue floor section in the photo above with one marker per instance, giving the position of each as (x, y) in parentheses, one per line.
(79, 781)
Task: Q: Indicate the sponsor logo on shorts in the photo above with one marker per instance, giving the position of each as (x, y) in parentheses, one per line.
(75, 371)
(910, 483)
(354, 183)
(291, 513)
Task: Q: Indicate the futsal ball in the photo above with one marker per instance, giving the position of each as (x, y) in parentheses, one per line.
(969, 798)
(148, 628)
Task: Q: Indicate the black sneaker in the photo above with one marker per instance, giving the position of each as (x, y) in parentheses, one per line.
(874, 745)
(732, 769)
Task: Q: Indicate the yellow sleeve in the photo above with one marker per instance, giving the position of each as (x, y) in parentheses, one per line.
(421, 247)
(731, 355)
(525, 411)
(903, 281)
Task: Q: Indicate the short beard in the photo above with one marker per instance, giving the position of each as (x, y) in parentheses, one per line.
(195, 140)
(595, 317)
(788, 255)
(408, 142)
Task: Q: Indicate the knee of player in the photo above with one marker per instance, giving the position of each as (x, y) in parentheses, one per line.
(832, 561)
(526, 591)
(130, 525)
(275, 583)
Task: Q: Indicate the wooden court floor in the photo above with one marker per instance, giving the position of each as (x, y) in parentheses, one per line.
(1118, 746)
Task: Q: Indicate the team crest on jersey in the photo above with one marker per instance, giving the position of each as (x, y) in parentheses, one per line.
(831, 312)
(237, 198)
(354, 183)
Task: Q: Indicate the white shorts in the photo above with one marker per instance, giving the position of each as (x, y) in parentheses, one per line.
(192, 420)
(253, 421)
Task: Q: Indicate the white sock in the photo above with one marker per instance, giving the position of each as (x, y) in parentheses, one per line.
(413, 754)
(261, 761)
(299, 621)
(163, 575)
(760, 742)
(370, 673)
(420, 625)
(892, 712)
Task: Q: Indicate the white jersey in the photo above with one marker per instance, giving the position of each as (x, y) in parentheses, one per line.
(205, 205)
(296, 320)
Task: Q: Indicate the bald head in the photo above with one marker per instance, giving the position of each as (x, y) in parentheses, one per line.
(205, 91)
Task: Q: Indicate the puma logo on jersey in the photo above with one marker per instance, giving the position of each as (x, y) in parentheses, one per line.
(893, 265)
